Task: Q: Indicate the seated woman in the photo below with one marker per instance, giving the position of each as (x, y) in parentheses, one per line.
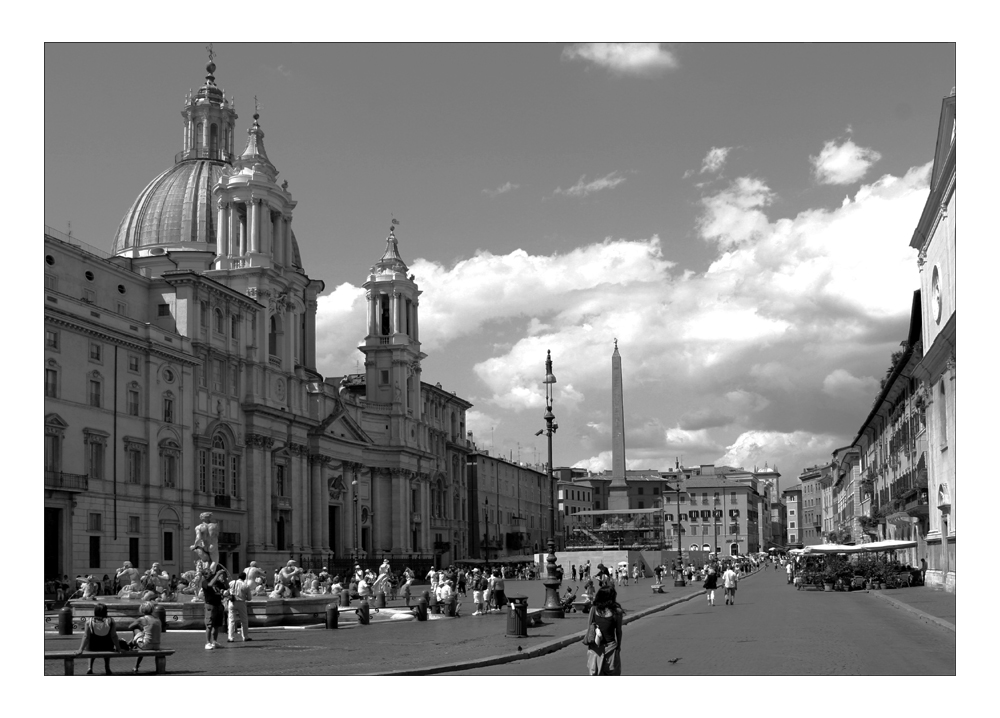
(99, 634)
(336, 588)
(146, 632)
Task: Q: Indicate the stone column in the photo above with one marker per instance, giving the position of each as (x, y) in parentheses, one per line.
(222, 233)
(416, 322)
(316, 524)
(277, 251)
(204, 135)
(310, 358)
(393, 322)
(288, 241)
(400, 519)
(254, 225)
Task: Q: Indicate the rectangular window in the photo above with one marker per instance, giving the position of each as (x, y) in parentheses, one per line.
(234, 327)
(53, 460)
(218, 377)
(51, 339)
(168, 410)
(791, 525)
(93, 522)
(133, 550)
(50, 383)
(384, 379)
(88, 296)
(641, 504)
(51, 282)
(234, 475)
(163, 310)
(169, 470)
(95, 393)
(133, 402)
(202, 471)
(133, 524)
(234, 381)
(121, 308)
(95, 468)
(656, 491)
(204, 314)
(133, 458)
(95, 551)
(168, 546)
(640, 491)
(218, 472)
(95, 351)
(133, 363)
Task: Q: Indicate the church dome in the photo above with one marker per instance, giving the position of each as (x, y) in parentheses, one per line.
(175, 211)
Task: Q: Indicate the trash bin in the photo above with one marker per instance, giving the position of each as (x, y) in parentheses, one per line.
(517, 617)
(345, 598)
(380, 600)
(65, 624)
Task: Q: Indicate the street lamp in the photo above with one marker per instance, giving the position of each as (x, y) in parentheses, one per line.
(679, 579)
(552, 608)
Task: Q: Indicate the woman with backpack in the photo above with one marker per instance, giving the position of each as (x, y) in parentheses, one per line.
(604, 634)
(711, 583)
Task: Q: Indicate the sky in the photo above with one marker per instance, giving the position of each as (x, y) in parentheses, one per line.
(737, 216)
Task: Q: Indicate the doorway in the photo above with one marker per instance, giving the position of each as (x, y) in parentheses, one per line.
(333, 517)
(53, 543)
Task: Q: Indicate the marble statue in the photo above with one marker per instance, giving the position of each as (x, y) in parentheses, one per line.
(206, 537)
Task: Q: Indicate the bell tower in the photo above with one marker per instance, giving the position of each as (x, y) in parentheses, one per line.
(392, 344)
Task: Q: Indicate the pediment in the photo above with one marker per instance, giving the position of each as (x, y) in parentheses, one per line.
(344, 427)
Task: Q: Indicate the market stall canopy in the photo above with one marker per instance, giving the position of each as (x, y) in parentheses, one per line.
(888, 545)
(829, 548)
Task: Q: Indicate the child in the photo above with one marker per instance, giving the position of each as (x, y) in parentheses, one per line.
(99, 635)
(146, 632)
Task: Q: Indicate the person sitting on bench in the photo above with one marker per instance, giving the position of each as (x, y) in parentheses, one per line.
(146, 632)
(99, 634)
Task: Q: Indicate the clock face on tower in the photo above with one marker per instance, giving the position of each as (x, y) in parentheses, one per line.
(936, 295)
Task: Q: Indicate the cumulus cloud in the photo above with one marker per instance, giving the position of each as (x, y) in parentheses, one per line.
(502, 189)
(741, 349)
(621, 58)
(583, 188)
(844, 163)
(714, 160)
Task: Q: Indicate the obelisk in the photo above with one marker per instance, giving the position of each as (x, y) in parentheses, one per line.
(618, 491)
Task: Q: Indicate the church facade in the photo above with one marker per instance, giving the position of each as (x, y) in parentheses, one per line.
(180, 378)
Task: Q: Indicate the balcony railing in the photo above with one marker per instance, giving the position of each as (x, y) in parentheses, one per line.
(65, 482)
(229, 538)
(224, 501)
(282, 502)
(203, 153)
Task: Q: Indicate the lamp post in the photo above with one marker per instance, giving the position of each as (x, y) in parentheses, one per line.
(552, 607)
(487, 522)
(679, 579)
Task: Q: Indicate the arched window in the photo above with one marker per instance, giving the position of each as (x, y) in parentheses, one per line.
(234, 326)
(456, 506)
(219, 321)
(214, 139)
(168, 407)
(199, 135)
(440, 499)
(222, 467)
(272, 337)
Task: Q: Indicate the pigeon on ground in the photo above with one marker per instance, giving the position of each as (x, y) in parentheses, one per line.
(519, 649)
(673, 660)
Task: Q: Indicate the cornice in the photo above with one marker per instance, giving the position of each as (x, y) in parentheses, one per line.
(125, 341)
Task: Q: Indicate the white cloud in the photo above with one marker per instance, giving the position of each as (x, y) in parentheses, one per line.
(845, 163)
(502, 189)
(741, 349)
(714, 160)
(754, 448)
(582, 188)
(638, 58)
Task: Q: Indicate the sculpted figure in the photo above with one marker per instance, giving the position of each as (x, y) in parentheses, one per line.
(206, 537)
(286, 578)
(127, 573)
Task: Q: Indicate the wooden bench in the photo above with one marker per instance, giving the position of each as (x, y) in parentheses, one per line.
(69, 657)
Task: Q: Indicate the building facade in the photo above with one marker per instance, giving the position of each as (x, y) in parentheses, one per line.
(512, 508)
(811, 526)
(180, 378)
(935, 241)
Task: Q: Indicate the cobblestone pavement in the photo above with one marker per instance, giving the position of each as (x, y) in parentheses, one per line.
(771, 630)
(377, 648)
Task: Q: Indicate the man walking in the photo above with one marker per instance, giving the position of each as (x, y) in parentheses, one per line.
(729, 579)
